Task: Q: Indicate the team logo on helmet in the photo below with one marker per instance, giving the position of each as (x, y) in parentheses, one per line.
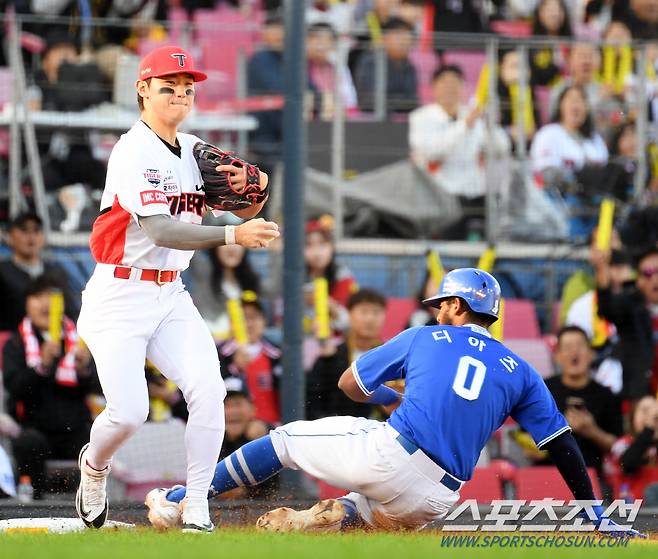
(180, 57)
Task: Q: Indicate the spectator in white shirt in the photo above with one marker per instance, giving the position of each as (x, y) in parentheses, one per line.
(570, 158)
(448, 139)
(570, 141)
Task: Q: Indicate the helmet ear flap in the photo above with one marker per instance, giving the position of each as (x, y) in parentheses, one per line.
(479, 290)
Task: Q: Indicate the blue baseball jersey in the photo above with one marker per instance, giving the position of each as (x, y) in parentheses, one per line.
(460, 386)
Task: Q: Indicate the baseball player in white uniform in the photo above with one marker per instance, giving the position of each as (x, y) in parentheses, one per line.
(135, 306)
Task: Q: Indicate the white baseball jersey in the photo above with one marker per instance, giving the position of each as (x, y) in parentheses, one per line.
(145, 178)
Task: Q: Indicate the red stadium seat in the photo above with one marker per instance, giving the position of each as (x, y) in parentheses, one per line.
(470, 62)
(535, 352)
(222, 34)
(487, 483)
(425, 61)
(541, 482)
(178, 21)
(329, 491)
(6, 81)
(398, 311)
(520, 320)
(512, 28)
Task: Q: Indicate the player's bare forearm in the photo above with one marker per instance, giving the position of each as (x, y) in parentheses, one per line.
(382, 395)
(251, 212)
(170, 233)
(347, 383)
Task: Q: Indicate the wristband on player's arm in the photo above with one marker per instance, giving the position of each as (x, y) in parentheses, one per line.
(384, 396)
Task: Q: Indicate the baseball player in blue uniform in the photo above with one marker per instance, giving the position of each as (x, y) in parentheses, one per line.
(460, 386)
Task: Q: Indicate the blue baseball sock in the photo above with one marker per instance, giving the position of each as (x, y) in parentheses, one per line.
(250, 465)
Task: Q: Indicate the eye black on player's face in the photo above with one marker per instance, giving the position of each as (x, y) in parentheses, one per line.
(171, 97)
(179, 85)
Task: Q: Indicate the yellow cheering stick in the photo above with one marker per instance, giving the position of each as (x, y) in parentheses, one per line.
(482, 89)
(604, 228)
(321, 301)
(496, 329)
(435, 267)
(624, 69)
(56, 314)
(609, 59)
(487, 259)
(528, 107)
(236, 316)
(653, 159)
(486, 263)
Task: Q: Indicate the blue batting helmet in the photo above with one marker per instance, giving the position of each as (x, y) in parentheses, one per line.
(479, 289)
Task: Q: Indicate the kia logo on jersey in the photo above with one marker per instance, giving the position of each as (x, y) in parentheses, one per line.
(181, 58)
(153, 176)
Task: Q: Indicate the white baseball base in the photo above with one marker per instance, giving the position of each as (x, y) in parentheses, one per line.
(54, 525)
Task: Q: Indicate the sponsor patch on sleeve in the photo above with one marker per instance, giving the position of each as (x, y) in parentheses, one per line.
(153, 176)
(153, 197)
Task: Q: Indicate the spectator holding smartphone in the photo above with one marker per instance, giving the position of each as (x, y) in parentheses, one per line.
(592, 411)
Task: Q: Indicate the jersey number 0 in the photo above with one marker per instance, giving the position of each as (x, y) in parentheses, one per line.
(466, 363)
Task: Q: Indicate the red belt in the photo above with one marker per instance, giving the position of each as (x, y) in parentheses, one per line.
(158, 276)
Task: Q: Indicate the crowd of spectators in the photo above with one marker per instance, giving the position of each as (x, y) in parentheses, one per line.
(587, 47)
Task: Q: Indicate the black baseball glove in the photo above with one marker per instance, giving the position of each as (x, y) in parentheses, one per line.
(220, 192)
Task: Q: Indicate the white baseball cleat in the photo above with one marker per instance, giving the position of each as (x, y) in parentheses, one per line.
(196, 517)
(162, 514)
(324, 516)
(91, 498)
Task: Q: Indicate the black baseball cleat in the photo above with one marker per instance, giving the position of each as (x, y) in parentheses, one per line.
(91, 498)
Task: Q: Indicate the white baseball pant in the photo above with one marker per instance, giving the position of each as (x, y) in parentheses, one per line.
(124, 322)
(390, 488)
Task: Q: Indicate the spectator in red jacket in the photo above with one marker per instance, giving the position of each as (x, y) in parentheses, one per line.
(320, 258)
(257, 363)
(633, 462)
